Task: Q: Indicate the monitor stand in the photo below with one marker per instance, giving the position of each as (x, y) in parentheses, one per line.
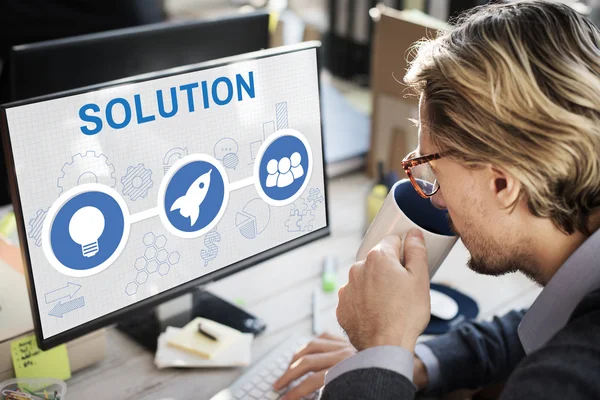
(146, 325)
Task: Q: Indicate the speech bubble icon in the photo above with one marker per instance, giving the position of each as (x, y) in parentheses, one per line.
(224, 147)
(230, 160)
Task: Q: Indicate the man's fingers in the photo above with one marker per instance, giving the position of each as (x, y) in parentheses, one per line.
(319, 345)
(330, 336)
(306, 364)
(343, 308)
(390, 245)
(415, 254)
(306, 387)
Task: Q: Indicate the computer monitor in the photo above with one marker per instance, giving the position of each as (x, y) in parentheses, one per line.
(62, 64)
(130, 194)
(57, 65)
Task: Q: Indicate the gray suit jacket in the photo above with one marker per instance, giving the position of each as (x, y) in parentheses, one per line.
(477, 354)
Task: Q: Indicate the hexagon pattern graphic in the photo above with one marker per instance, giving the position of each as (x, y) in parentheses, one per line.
(156, 260)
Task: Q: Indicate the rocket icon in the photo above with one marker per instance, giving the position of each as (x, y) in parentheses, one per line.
(189, 204)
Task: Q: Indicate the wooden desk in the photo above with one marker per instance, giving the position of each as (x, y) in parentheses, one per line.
(128, 372)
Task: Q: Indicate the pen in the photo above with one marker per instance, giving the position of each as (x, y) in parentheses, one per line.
(316, 307)
(206, 332)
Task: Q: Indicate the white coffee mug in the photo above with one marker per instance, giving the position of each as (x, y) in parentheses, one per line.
(403, 210)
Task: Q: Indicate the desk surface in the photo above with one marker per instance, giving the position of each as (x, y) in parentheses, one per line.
(279, 291)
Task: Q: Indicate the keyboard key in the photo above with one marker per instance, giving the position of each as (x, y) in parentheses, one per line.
(247, 387)
(259, 384)
(272, 395)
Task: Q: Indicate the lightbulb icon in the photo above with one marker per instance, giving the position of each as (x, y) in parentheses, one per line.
(85, 227)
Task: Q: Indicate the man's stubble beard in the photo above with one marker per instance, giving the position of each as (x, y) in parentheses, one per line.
(487, 259)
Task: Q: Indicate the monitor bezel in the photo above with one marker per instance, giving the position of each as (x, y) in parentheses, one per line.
(186, 287)
(128, 33)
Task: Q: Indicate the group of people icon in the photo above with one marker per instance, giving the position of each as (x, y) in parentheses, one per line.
(282, 173)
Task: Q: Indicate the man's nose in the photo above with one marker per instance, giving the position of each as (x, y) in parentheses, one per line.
(438, 200)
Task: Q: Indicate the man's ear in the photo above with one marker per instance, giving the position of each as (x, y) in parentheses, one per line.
(504, 186)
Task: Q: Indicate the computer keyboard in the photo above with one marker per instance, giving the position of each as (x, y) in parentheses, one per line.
(257, 382)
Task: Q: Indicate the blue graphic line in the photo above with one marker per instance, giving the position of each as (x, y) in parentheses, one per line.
(67, 291)
(268, 128)
(90, 167)
(281, 113)
(315, 197)
(137, 182)
(172, 156)
(35, 224)
(212, 250)
(61, 308)
(301, 218)
(156, 258)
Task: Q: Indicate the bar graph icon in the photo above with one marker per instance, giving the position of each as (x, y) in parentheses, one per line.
(281, 114)
(281, 119)
(268, 128)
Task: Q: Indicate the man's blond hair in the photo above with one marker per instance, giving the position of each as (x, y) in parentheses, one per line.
(517, 86)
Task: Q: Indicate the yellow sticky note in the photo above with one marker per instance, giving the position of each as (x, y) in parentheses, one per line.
(31, 362)
(273, 21)
(188, 338)
(8, 225)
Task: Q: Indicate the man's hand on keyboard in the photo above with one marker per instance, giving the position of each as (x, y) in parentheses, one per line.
(316, 358)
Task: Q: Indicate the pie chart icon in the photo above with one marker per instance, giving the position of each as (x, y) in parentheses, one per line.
(253, 219)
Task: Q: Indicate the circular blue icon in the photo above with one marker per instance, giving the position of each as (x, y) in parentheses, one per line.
(284, 167)
(87, 230)
(194, 196)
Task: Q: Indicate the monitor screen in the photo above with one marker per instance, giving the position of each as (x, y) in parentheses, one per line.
(129, 194)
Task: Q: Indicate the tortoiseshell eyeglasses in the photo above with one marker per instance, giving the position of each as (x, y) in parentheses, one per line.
(421, 173)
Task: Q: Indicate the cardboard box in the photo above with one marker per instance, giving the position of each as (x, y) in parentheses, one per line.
(398, 149)
(395, 33)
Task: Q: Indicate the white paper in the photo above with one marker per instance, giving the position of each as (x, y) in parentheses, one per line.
(238, 354)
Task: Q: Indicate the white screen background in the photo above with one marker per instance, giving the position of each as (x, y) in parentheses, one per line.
(47, 143)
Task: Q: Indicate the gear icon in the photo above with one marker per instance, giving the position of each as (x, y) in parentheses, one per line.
(86, 168)
(137, 181)
(35, 226)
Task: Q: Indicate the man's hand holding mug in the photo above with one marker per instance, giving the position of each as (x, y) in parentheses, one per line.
(384, 301)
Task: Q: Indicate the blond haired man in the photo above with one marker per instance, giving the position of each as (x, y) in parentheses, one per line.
(509, 138)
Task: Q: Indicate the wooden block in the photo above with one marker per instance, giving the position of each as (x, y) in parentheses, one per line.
(398, 150)
(311, 32)
(277, 36)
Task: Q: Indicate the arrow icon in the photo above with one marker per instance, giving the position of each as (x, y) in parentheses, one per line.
(61, 308)
(68, 291)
